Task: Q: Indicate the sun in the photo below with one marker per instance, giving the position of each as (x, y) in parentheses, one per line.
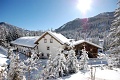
(84, 5)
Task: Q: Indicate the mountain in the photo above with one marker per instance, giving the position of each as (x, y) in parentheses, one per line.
(10, 32)
(97, 26)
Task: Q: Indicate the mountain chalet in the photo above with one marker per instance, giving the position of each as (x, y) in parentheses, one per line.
(49, 43)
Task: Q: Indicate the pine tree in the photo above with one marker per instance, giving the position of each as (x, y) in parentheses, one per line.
(84, 60)
(16, 68)
(31, 64)
(110, 61)
(3, 72)
(55, 67)
(72, 62)
(114, 36)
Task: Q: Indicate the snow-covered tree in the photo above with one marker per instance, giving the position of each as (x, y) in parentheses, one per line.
(114, 36)
(3, 72)
(72, 62)
(84, 60)
(110, 61)
(55, 67)
(16, 68)
(31, 63)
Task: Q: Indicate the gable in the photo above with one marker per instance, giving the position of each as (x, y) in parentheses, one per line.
(44, 36)
(58, 37)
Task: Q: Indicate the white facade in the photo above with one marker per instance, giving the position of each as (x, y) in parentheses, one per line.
(49, 44)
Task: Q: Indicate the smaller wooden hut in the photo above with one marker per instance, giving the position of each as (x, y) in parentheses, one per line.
(90, 47)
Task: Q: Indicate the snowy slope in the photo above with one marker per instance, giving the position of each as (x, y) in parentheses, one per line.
(105, 74)
(3, 56)
(3, 51)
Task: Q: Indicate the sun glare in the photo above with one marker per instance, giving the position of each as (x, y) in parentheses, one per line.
(84, 5)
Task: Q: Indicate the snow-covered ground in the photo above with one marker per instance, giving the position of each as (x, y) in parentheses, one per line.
(3, 56)
(3, 51)
(3, 62)
(101, 74)
(105, 74)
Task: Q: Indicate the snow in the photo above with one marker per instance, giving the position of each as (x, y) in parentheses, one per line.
(59, 37)
(101, 55)
(3, 55)
(77, 76)
(63, 26)
(26, 41)
(81, 41)
(3, 51)
(3, 61)
(105, 74)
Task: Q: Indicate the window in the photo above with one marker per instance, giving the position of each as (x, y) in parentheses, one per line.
(51, 40)
(45, 40)
(48, 48)
(42, 54)
(48, 55)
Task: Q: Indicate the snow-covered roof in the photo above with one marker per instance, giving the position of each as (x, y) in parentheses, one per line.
(101, 40)
(26, 41)
(59, 37)
(82, 41)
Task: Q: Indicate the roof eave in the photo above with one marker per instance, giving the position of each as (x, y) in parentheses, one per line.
(24, 45)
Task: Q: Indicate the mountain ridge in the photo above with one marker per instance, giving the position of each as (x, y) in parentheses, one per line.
(97, 26)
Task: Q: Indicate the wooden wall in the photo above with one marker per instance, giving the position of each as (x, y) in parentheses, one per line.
(92, 50)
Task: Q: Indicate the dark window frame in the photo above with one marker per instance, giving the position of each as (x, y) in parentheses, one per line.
(48, 48)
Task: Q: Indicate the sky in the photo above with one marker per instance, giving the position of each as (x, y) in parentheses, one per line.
(50, 14)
